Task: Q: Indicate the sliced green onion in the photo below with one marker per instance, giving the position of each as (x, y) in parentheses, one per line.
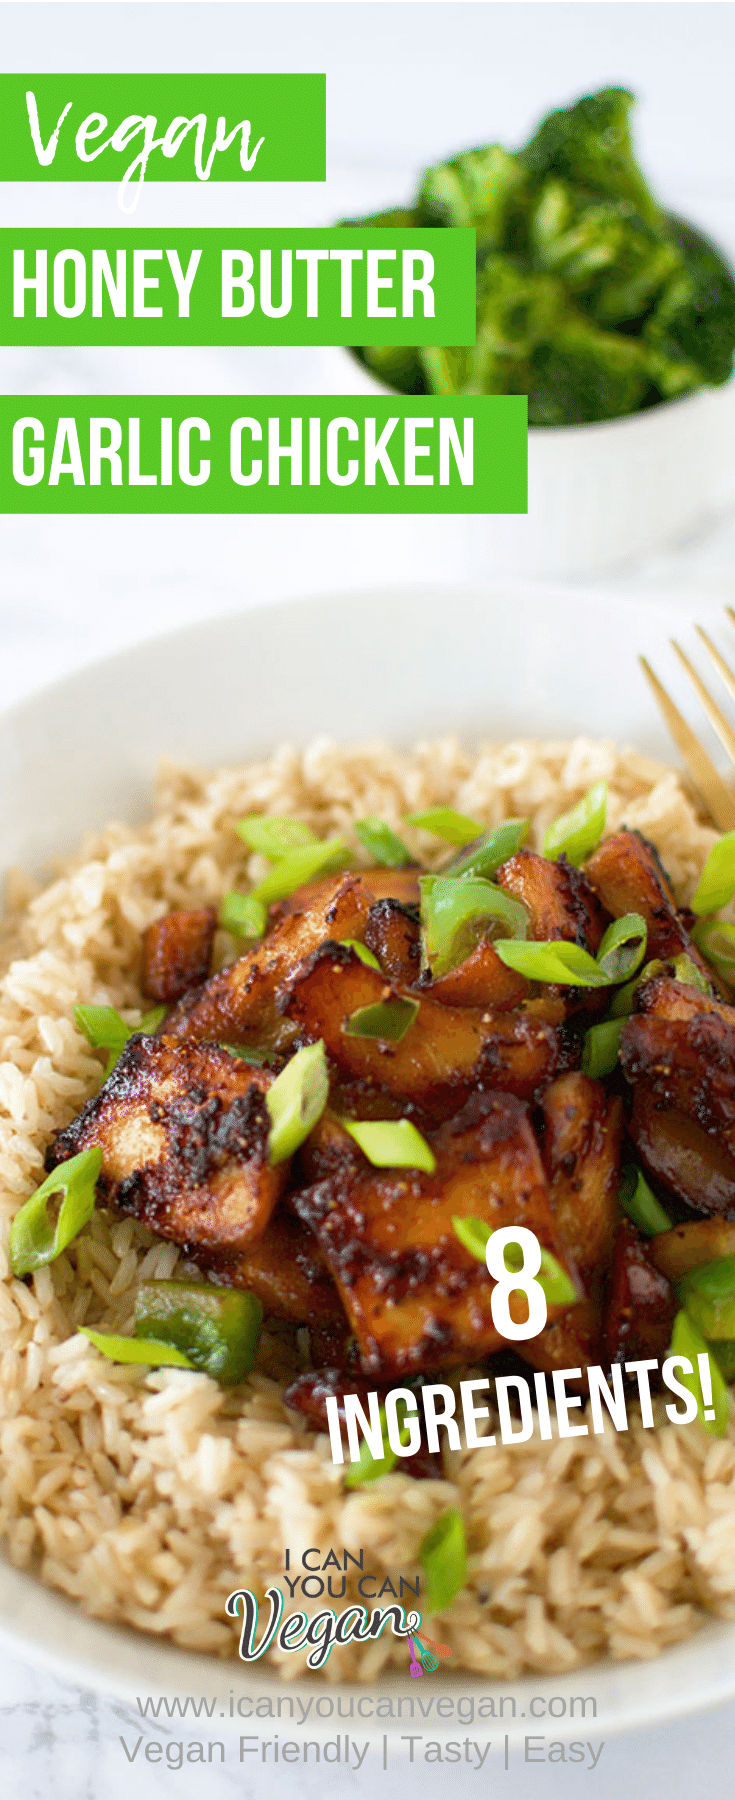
(686, 971)
(105, 1029)
(135, 1350)
(708, 1295)
(601, 1048)
(621, 1005)
(216, 1329)
(687, 1341)
(557, 961)
(576, 833)
(296, 1101)
(391, 1144)
(558, 1287)
(274, 838)
(623, 947)
(492, 848)
(443, 1556)
(361, 950)
(382, 844)
(387, 1020)
(640, 1204)
(35, 1238)
(445, 823)
(258, 1058)
(369, 1467)
(242, 916)
(716, 884)
(457, 911)
(299, 866)
(717, 944)
(723, 1353)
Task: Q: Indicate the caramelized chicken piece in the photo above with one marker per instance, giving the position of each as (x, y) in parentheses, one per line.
(177, 952)
(681, 1045)
(481, 980)
(680, 1154)
(414, 1296)
(392, 933)
(287, 1273)
(688, 1246)
(446, 1050)
(558, 899)
(581, 1151)
(641, 1303)
(376, 884)
(239, 1005)
(628, 875)
(184, 1135)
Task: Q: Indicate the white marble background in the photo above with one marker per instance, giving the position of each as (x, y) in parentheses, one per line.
(405, 83)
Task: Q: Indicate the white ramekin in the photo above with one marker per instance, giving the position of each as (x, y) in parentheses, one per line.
(606, 495)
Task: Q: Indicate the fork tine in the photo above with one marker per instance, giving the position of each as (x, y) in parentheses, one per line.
(719, 801)
(721, 666)
(716, 717)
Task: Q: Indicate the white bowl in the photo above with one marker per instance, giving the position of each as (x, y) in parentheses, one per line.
(605, 495)
(479, 662)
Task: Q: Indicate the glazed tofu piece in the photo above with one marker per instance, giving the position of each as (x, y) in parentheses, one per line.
(184, 1134)
(239, 1005)
(558, 898)
(287, 1272)
(392, 933)
(680, 1155)
(445, 1052)
(581, 1147)
(376, 884)
(177, 951)
(482, 980)
(415, 1298)
(680, 1047)
(627, 874)
(641, 1303)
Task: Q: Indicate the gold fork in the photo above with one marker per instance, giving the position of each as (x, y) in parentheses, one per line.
(718, 798)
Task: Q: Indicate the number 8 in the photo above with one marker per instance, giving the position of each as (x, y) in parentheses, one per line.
(506, 1280)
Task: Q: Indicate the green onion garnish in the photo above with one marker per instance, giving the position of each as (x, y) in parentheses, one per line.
(457, 911)
(492, 848)
(299, 866)
(35, 1239)
(215, 1329)
(136, 1350)
(716, 884)
(640, 1204)
(708, 1294)
(576, 833)
(687, 1341)
(601, 1048)
(623, 947)
(686, 971)
(258, 1058)
(382, 844)
(559, 1289)
(296, 1101)
(104, 1028)
(274, 838)
(361, 950)
(723, 1353)
(717, 944)
(369, 1467)
(243, 916)
(557, 961)
(387, 1020)
(443, 1556)
(445, 823)
(391, 1144)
